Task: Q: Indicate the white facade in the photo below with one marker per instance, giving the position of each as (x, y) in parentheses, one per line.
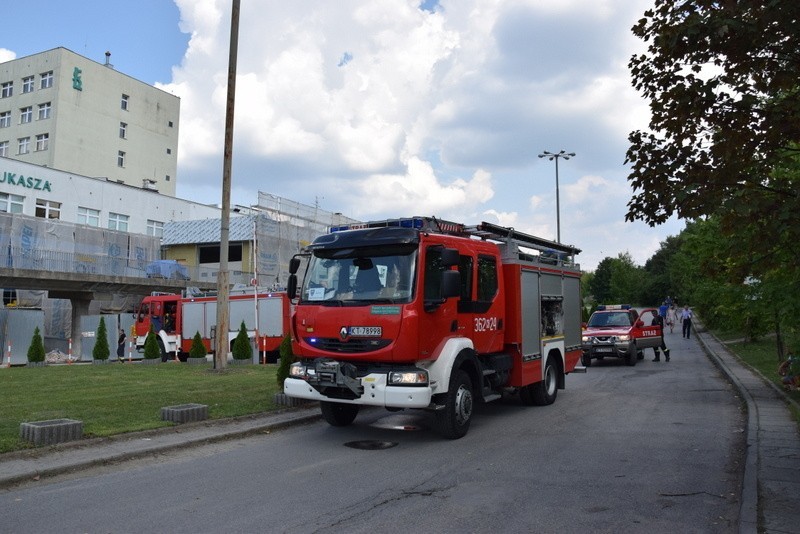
(49, 193)
(62, 110)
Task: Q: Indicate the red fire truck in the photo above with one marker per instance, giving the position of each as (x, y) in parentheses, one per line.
(175, 320)
(423, 313)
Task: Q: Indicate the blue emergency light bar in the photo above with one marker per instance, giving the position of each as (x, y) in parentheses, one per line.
(604, 307)
(430, 224)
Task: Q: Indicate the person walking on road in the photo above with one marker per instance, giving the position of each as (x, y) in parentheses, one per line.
(672, 318)
(686, 321)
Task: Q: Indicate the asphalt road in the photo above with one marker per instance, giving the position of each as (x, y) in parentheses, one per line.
(651, 448)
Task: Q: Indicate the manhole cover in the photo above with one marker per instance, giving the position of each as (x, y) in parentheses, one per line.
(371, 444)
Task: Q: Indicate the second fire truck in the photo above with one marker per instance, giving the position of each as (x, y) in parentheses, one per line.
(422, 313)
(175, 319)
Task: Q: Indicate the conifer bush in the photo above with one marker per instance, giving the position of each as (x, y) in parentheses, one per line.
(197, 350)
(151, 348)
(36, 349)
(101, 350)
(287, 357)
(241, 345)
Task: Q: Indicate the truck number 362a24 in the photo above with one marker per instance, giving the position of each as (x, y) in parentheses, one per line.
(483, 324)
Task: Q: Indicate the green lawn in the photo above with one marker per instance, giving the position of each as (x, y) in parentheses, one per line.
(116, 398)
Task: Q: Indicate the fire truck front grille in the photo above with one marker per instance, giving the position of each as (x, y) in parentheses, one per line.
(333, 344)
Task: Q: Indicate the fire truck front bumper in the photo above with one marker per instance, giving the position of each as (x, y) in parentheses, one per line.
(328, 380)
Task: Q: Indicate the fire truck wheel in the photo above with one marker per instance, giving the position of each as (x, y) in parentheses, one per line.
(453, 421)
(338, 414)
(162, 350)
(586, 360)
(545, 392)
(631, 357)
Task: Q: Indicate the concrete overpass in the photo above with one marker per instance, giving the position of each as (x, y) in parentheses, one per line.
(82, 288)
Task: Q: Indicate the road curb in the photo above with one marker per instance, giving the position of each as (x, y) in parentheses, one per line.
(748, 510)
(198, 435)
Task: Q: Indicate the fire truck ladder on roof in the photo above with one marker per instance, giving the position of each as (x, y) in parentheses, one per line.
(487, 230)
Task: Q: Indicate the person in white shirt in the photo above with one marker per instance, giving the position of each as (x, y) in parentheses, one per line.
(686, 321)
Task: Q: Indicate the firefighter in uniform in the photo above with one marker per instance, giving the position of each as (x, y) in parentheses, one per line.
(659, 321)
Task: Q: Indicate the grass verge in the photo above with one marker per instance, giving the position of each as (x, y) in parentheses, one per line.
(763, 356)
(112, 399)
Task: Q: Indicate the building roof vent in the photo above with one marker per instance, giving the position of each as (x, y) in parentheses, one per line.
(108, 60)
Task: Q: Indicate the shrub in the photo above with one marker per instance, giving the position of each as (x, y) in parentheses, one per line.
(287, 357)
(151, 349)
(36, 350)
(197, 350)
(241, 345)
(101, 350)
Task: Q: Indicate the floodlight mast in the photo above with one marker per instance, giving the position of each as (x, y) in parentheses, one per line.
(563, 154)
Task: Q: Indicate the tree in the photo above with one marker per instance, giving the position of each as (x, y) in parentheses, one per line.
(658, 272)
(600, 284)
(101, 350)
(724, 135)
(36, 349)
(242, 350)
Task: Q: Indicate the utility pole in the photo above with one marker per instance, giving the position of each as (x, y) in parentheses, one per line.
(223, 277)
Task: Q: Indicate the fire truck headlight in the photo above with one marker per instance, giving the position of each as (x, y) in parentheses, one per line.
(586, 339)
(416, 377)
(624, 337)
(298, 370)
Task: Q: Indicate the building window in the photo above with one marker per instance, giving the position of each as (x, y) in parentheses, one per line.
(24, 145)
(120, 158)
(44, 111)
(210, 253)
(6, 89)
(5, 119)
(42, 142)
(48, 209)
(169, 151)
(123, 130)
(155, 228)
(25, 115)
(167, 178)
(11, 203)
(117, 221)
(27, 84)
(88, 216)
(46, 80)
(123, 103)
(4, 148)
(170, 124)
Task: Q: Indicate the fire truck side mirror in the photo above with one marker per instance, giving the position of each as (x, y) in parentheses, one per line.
(291, 285)
(294, 265)
(450, 257)
(451, 284)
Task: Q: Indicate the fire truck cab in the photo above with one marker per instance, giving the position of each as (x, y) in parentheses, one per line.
(428, 314)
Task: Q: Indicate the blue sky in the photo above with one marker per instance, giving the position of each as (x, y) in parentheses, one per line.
(381, 108)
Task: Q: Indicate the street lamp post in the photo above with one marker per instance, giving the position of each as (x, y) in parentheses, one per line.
(555, 156)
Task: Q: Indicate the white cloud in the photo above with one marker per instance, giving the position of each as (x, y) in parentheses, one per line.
(384, 109)
(7, 55)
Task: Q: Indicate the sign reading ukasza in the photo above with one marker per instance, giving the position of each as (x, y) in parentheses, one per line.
(29, 182)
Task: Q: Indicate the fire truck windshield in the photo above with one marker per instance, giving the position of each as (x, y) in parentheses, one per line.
(355, 275)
